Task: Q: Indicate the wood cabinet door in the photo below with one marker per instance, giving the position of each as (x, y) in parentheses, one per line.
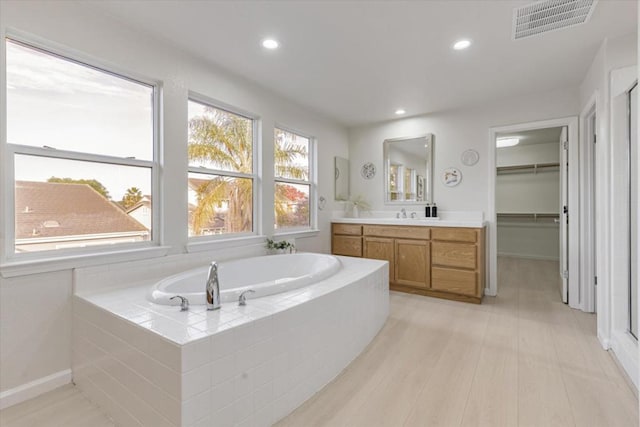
(412, 263)
(380, 248)
(346, 245)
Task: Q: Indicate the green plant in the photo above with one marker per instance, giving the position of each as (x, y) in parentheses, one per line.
(282, 244)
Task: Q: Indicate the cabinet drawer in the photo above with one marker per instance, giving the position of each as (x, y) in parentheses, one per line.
(402, 232)
(455, 281)
(347, 245)
(454, 234)
(453, 254)
(348, 229)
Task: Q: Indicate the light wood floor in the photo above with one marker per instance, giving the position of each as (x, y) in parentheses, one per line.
(520, 359)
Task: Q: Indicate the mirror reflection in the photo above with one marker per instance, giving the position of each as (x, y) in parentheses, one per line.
(341, 170)
(408, 169)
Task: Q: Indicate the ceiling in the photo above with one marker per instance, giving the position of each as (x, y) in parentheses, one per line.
(359, 61)
(537, 136)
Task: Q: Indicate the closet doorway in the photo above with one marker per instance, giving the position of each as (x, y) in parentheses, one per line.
(531, 197)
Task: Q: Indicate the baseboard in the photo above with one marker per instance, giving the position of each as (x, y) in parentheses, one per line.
(526, 256)
(35, 388)
(625, 350)
(490, 292)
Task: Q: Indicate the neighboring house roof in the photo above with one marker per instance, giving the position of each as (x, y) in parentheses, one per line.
(141, 203)
(47, 209)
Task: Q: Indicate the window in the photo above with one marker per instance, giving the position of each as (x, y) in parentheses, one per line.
(221, 171)
(293, 184)
(80, 144)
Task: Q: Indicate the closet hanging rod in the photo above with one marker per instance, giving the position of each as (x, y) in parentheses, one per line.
(531, 216)
(534, 166)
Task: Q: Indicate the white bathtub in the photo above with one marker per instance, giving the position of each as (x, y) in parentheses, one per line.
(264, 275)
(153, 365)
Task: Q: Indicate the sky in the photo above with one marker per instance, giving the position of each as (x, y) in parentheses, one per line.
(62, 104)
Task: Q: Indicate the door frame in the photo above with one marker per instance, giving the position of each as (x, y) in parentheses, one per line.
(588, 209)
(572, 124)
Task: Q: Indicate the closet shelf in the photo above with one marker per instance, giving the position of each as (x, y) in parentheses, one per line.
(530, 216)
(533, 167)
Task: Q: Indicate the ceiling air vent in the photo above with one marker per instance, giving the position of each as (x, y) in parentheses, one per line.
(550, 15)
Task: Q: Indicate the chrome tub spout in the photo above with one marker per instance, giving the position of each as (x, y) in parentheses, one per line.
(213, 288)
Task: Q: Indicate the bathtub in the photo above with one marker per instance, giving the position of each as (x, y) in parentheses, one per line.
(264, 275)
(148, 364)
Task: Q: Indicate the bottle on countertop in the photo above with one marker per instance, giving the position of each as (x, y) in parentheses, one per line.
(434, 211)
(427, 211)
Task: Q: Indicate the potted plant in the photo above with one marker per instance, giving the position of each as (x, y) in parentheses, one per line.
(280, 247)
(357, 205)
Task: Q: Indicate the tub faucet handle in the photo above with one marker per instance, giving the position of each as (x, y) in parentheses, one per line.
(184, 303)
(243, 299)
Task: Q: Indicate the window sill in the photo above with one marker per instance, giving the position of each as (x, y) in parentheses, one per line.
(232, 242)
(46, 265)
(298, 233)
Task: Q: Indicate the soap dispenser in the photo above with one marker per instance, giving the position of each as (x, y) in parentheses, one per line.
(427, 211)
(434, 211)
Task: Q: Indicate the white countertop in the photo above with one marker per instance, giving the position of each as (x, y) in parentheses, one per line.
(424, 222)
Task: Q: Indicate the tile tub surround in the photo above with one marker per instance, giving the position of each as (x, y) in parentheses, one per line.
(146, 364)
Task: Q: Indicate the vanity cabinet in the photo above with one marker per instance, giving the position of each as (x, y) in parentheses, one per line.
(381, 248)
(412, 263)
(346, 239)
(444, 262)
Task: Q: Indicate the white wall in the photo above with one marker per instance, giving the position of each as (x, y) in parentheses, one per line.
(35, 309)
(455, 131)
(613, 54)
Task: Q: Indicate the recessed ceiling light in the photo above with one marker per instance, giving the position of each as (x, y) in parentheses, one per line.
(400, 111)
(462, 44)
(506, 142)
(270, 44)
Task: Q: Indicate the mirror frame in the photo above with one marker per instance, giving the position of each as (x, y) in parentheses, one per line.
(428, 176)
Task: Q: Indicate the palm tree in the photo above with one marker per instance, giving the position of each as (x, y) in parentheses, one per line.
(224, 141)
(131, 197)
(286, 155)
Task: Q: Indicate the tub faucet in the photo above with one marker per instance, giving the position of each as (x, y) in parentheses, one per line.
(213, 288)
(243, 299)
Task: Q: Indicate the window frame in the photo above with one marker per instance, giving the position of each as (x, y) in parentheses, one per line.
(202, 241)
(12, 260)
(312, 183)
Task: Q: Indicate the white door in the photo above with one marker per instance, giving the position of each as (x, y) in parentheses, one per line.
(564, 215)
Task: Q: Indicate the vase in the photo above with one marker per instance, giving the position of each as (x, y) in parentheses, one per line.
(355, 213)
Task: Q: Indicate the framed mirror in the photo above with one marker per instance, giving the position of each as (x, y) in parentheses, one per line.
(341, 171)
(408, 170)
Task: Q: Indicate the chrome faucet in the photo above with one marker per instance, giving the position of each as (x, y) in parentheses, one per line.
(413, 215)
(184, 303)
(243, 299)
(213, 288)
(403, 211)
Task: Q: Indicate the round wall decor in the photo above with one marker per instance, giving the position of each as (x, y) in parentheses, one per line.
(451, 177)
(368, 170)
(470, 157)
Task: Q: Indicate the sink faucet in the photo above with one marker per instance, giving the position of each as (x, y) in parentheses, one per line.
(403, 211)
(213, 288)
